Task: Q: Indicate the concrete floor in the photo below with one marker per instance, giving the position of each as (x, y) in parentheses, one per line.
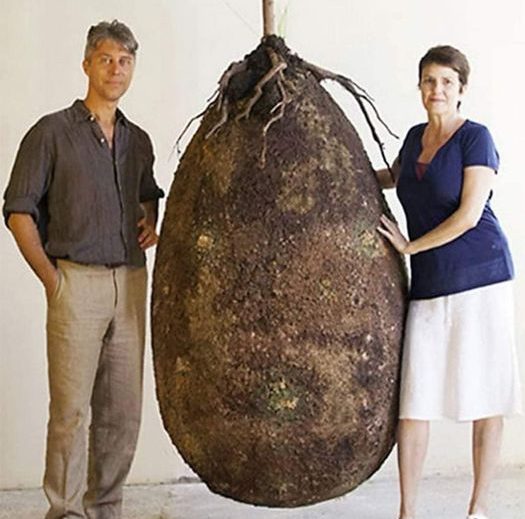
(441, 497)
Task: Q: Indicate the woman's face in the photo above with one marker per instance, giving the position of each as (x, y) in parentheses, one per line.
(440, 89)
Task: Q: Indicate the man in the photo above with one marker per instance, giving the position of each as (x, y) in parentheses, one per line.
(82, 206)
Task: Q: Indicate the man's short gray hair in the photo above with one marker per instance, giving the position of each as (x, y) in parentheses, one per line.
(114, 30)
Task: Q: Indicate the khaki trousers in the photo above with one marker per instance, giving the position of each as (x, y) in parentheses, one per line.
(95, 348)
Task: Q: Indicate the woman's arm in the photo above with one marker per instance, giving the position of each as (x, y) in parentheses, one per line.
(478, 181)
(386, 179)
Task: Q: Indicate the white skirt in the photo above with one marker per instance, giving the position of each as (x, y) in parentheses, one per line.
(459, 356)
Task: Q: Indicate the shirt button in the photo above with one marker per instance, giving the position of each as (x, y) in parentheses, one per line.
(91, 118)
(102, 140)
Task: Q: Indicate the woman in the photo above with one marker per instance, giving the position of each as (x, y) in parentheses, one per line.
(459, 356)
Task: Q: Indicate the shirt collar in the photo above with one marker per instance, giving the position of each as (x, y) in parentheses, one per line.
(81, 113)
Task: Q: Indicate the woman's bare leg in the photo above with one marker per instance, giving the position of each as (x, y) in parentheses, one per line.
(411, 451)
(486, 443)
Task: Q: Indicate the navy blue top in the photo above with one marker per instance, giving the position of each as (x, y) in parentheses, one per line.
(478, 257)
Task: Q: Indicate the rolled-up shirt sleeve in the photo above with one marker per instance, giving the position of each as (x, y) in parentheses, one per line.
(31, 173)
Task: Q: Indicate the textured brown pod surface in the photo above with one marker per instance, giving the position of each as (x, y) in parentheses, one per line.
(277, 307)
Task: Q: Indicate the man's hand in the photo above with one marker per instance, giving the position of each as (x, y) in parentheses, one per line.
(50, 281)
(147, 236)
(28, 240)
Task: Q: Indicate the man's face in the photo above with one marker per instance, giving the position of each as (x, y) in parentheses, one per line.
(109, 69)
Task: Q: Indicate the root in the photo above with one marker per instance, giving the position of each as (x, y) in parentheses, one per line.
(285, 98)
(362, 97)
(277, 112)
(276, 73)
(222, 100)
(194, 118)
(234, 69)
(279, 108)
(223, 105)
(278, 65)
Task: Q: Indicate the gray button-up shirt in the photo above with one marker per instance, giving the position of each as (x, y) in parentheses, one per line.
(84, 196)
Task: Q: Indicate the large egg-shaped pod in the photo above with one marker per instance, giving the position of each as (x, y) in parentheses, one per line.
(277, 307)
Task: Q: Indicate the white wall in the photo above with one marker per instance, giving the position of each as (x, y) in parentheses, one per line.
(185, 45)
